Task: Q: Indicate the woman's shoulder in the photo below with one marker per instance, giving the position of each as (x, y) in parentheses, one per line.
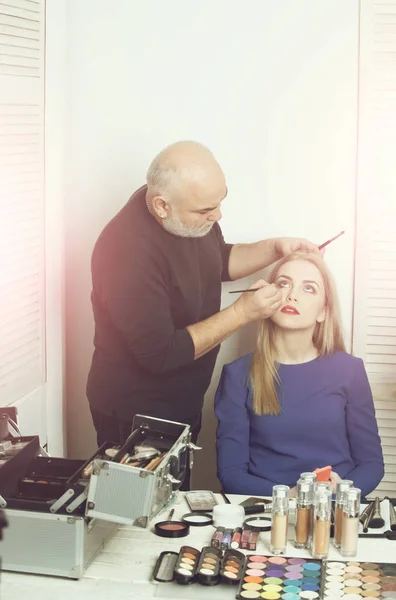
(240, 365)
(343, 359)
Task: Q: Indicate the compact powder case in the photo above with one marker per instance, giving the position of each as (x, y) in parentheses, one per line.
(165, 566)
(197, 519)
(258, 523)
(171, 529)
(208, 570)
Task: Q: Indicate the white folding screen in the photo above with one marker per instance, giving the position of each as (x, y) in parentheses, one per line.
(22, 217)
(374, 335)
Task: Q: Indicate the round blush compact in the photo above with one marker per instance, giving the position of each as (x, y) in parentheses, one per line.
(171, 529)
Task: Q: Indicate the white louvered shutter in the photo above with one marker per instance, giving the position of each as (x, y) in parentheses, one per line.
(22, 279)
(374, 337)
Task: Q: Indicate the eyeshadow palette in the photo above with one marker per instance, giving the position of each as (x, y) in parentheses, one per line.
(208, 570)
(232, 567)
(186, 565)
(278, 577)
(359, 580)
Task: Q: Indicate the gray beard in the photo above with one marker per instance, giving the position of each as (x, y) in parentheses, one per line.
(173, 225)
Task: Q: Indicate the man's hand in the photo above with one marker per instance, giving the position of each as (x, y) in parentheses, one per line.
(285, 246)
(254, 306)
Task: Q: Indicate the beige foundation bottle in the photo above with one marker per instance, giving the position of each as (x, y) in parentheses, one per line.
(350, 522)
(280, 519)
(303, 528)
(321, 523)
(342, 487)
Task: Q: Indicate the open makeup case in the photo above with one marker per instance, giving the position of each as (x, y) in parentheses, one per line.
(61, 511)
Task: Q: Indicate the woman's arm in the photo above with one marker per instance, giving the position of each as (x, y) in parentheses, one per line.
(362, 431)
(233, 435)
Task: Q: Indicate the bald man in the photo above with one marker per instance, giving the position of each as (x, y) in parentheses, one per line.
(157, 269)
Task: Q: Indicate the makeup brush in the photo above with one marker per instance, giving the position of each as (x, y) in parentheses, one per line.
(326, 243)
(376, 521)
(392, 516)
(366, 516)
(330, 240)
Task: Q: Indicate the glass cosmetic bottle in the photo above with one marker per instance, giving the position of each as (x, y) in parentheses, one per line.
(303, 528)
(321, 523)
(280, 518)
(342, 487)
(350, 522)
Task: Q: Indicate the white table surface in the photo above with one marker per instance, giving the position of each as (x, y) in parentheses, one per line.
(123, 569)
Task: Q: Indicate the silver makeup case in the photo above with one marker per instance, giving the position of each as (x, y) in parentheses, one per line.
(60, 519)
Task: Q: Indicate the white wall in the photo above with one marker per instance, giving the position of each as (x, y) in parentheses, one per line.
(269, 86)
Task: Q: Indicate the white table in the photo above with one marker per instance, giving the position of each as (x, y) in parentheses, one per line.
(124, 568)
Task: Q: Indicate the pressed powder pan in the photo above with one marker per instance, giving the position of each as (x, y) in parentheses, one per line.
(171, 529)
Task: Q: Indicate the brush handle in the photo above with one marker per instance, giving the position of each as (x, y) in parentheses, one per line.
(366, 515)
(376, 521)
(392, 516)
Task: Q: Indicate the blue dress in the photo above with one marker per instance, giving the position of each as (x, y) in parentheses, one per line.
(327, 418)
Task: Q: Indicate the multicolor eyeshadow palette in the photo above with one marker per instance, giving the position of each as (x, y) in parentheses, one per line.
(359, 580)
(283, 578)
(278, 577)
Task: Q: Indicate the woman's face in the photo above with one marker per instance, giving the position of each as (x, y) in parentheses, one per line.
(303, 296)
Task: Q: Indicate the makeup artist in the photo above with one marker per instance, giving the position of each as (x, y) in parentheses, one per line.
(157, 269)
(300, 402)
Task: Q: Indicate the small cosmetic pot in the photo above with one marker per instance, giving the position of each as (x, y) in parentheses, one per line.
(208, 572)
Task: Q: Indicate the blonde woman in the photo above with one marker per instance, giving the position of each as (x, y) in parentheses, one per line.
(300, 402)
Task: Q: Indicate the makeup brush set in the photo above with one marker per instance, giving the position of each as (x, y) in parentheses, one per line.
(372, 518)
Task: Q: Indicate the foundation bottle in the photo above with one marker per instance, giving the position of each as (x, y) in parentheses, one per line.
(280, 518)
(321, 523)
(342, 487)
(303, 529)
(350, 522)
(308, 475)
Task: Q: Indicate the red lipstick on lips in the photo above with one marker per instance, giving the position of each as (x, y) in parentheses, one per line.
(290, 310)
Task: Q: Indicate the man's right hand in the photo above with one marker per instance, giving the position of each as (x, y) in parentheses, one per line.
(262, 304)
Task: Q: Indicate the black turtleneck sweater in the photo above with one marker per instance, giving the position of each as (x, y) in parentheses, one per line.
(148, 286)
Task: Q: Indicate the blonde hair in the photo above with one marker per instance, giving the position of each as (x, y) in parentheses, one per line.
(327, 338)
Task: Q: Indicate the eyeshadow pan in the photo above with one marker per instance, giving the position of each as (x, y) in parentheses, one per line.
(277, 560)
(295, 568)
(354, 583)
(272, 588)
(250, 594)
(255, 572)
(252, 586)
(230, 575)
(353, 569)
(231, 569)
(251, 579)
(189, 555)
(296, 561)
